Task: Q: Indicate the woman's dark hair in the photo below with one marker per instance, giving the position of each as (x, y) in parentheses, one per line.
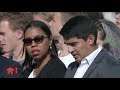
(45, 28)
(39, 24)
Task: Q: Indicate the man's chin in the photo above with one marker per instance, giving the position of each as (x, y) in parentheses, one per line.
(78, 59)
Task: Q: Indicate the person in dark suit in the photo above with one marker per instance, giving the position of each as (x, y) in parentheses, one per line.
(10, 68)
(80, 34)
(43, 61)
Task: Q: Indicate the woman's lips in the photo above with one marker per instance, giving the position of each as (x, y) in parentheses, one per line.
(35, 52)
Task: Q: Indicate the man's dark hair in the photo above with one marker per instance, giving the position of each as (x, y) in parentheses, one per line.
(80, 27)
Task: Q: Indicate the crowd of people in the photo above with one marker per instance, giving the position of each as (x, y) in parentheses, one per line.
(59, 45)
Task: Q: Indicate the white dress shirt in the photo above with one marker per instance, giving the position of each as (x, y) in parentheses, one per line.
(31, 75)
(86, 62)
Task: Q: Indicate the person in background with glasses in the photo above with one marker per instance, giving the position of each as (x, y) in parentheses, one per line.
(38, 42)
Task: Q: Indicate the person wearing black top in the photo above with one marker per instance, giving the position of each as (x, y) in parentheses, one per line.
(42, 60)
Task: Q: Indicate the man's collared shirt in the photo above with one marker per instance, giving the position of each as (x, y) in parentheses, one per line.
(86, 62)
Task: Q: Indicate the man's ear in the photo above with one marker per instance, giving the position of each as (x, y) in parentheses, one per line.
(19, 33)
(91, 39)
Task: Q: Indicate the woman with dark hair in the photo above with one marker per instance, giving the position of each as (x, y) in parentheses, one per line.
(40, 47)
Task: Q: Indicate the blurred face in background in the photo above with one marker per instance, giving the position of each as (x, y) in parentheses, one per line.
(45, 17)
(59, 42)
(56, 25)
(40, 18)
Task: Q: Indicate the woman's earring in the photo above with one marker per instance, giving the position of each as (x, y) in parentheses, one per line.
(50, 47)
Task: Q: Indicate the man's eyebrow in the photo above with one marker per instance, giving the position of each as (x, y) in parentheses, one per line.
(70, 43)
(65, 43)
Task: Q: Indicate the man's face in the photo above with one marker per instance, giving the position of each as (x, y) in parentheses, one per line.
(77, 47)
(8, 37)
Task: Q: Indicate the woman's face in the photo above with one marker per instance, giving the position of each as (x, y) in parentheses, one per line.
(37, 43)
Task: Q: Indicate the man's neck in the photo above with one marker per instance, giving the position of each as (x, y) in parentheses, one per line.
(18, 53)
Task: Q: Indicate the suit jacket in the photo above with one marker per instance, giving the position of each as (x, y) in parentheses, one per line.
(10, 68)
(104, 66)
(53, 69)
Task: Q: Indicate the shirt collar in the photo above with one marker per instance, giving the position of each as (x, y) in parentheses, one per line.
(89, 59)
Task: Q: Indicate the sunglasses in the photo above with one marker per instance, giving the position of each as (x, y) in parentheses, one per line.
(37, 40)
